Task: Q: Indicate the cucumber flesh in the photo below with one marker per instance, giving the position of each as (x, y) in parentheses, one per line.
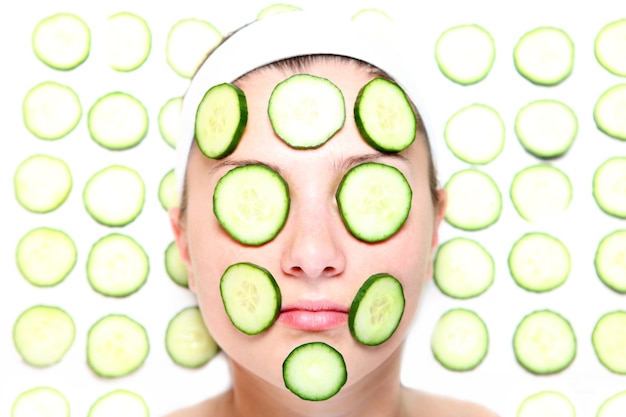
(544, 55)
(188, 42)
(117, 266)
(610, 47)
(174, 266)
(251, 297)
(610, 260)
(221, 120)
(169, 120)
(51, 110)
(42, 183)
(463, 268)
(119, 402)
(114, 196)
(541, 192)
(251, 203)
(546, 404)
(544, 342)
(376, 310)
(314, 371)
(118, 121)
(43, 334)
(609, 186)
(613, 406)
(116, 346)
(465, 53)
(609, 341)
(474, 200)
(384, 116)
(546, 128)
(460, 340)
(187, 340)
(168, 195)
(41, 401)
(129, 41)
(539, 262)
(475, 134)
(374, 201)
(608, 112)
(62, 41)
(276, 8)
(46, 256)
(306, 110)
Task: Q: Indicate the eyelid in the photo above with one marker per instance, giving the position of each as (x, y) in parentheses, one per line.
(242, 162)
(353, 161)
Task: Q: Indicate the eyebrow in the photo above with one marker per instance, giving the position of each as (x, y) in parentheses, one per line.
(346, 164)
(242, 162)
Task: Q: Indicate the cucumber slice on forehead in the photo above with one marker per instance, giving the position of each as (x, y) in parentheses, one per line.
(384, 116)
(544, 55)
(314, 371)
(251, 297)
(306, 110)
(610, 260)
(221, 120)
(251, 203)
(374, 201)
(376, 310)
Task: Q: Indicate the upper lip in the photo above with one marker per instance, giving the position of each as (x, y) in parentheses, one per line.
(315, 305)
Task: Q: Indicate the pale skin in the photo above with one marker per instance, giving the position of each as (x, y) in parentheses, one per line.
(314, 259)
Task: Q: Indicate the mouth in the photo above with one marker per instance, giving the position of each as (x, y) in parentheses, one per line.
(314, 316)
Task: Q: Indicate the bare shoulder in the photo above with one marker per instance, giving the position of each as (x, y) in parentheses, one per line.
(207, 408)
(422, 404)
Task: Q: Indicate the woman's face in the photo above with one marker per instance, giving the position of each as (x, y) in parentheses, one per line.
(318, 265)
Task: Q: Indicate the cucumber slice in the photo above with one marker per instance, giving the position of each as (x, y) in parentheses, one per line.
(541, 192)
(384, 116)
(465, 53)
(374, 201)
(188, 43)
(187, 340)
(546, 128)
(62, 41)
(119, 403)
(474, 200)
(460, 340)
(609, 341)
(276, 8)
(41, 401)
(251, 297)
(613, 406)
(116, 346)
(118, 121)
(45, 256)
(169, 120)
(475, 134)
(546, 404)
(544, 342)
(463, 268)
(608, 112)
(251, 203)
(376, 310)
(117, 266)
(51, 110)
(174, 266)
(221, 120)
(544, 55)
(306, 110)
(129, 41)
(114, 196)
(539, 262)
(168, 195)
(609, 186)
(610, 260)
(610, 47)
(314, 371)
(42, 183)
(43, 334)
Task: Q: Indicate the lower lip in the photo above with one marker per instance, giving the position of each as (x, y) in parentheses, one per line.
(313, 320)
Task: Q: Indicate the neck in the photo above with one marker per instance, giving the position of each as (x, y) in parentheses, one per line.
(377, 394)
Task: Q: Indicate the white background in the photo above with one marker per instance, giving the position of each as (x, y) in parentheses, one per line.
(498, 382)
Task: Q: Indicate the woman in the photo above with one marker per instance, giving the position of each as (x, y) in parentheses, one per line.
(317, 263)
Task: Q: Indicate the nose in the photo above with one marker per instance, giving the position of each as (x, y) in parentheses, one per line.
(313, 248)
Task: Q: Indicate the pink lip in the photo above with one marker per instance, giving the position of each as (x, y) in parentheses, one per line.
(314, 316)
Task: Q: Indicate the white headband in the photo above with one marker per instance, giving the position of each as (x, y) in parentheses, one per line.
(287, 35)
